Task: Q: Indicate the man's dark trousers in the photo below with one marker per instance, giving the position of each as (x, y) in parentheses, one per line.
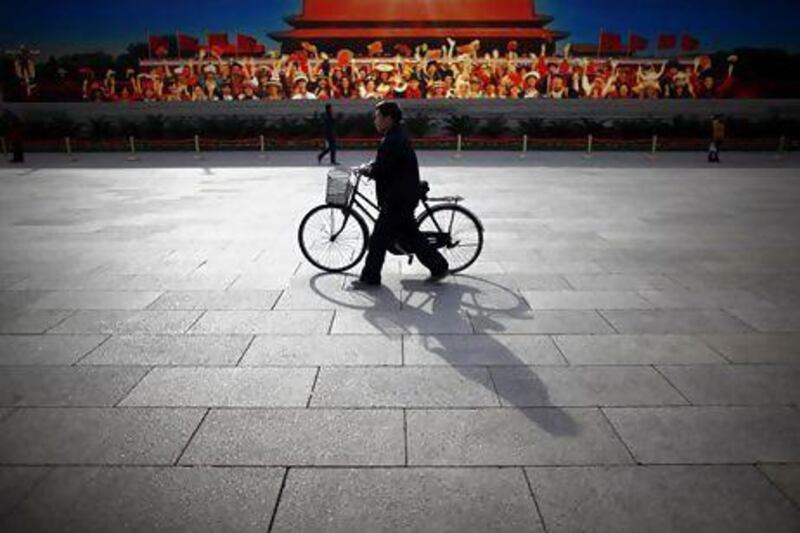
(398, 224)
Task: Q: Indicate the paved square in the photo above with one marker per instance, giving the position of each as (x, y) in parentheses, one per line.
(624, 356)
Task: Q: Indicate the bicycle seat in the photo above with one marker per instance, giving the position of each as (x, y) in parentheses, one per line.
(424, 189)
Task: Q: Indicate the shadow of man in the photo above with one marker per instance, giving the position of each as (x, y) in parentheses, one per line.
(449, 304)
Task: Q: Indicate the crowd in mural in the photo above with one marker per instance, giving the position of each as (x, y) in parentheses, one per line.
(449, 72)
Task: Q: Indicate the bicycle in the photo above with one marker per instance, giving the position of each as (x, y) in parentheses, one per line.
(334, 236)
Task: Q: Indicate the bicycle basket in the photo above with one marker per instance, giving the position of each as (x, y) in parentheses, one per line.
(340, 187)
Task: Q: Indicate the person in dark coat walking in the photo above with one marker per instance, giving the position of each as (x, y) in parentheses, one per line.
(330, 135)
(397, 183)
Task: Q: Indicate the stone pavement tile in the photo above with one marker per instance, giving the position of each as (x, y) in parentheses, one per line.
(675, 321)
(619, 282)
(404, 387)
(52, 386)
(406, 321)
(5, 412)
(291, 437)
(173, 282)
(775, 320)
(264, 322)
(262, 281)
(757, 348)
(569, 299)
(540, 322)
(552, 267)
(487, 350)
(460, 293)
(31, 322)
(494, 437)
(169, 350)
(96, 435)
(787, 479)
(15, 484)
(305, 298)
(323, 350)
(737, 384)
(703, 299)
(534, 282)
(96, 499)
(128, 322)
(579, 386)
(95, 300)
(9, 279)
(724, 499)
(223, 387)
(709, 434)
(46, 349)
(230, 300)
(635, 350)
(456, 500)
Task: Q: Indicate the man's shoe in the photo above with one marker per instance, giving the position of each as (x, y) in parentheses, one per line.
(438, 276)
(361, 285)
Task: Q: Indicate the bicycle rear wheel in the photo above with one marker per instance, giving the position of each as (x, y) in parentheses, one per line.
(332, 238)
(462, 234)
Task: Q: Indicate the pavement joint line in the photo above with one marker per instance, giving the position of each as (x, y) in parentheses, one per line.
(616, 433)
(278, 500)
(196, 320)
(191, 437)
(128, 393)
(91, 351)
(244, 352)
(405, 437)
(533, 497)
(234, 280)
(751, 327)
(394, 466)
(563, 356)
(719, 352)
(403, 349)
(783, 493)
(606, 320)
(35, 485)
(494, 386)
(671, 384)
(333, 319)
(44, 332)
(313, 387)
(584, 407)
(277, 300)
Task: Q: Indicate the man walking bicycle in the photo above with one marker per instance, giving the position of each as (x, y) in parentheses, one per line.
(397, 183)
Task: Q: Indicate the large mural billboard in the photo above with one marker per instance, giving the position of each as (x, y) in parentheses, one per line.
(398, 49)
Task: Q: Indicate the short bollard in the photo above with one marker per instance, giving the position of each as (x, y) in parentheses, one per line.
(524, 153)
(70, 155)
(654, 146)
(198, 154)
(589, 142)
(262, 148)
(458, 154)
(781, 147)
(132, 143)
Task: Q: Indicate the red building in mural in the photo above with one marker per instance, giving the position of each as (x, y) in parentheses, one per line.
(354, 24)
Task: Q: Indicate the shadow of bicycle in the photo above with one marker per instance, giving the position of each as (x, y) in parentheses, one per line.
(424, 305)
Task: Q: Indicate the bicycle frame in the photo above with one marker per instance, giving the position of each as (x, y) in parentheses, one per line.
(365, 205)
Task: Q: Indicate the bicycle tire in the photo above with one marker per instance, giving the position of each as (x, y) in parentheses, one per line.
(319, 262)
(462, 265)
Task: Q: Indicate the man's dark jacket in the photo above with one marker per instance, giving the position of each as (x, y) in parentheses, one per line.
(396, 172)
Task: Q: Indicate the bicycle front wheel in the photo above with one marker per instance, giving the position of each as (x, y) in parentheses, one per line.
(332, 238)
(462, 232)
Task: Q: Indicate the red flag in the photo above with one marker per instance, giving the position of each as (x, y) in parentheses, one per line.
(689, 43)
(667, 41)
(637, 42)
(187, 43)
(610, 42)
(159, 45)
